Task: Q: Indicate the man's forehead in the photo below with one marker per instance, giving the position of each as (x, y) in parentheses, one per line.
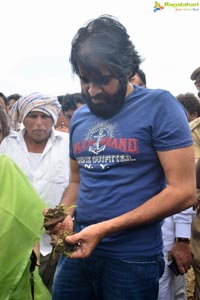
(98, 67)
(92, 61)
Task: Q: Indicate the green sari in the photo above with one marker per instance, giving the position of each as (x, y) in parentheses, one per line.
(20, 228)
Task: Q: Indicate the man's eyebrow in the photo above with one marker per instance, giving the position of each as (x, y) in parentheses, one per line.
(33, 113)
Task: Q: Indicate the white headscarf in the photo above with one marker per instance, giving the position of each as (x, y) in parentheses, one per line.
(34, 102)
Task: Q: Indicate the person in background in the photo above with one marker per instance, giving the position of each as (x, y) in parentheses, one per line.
(71, 102)
(60, 99)
(177, 231)
(61, 124)
(42, 153)
(195, 228)
(195, 76)
(10, 101)
(192, 105)
(198, 173)
(132, 164)
(4, 127)
(3, 102)
(176, 228)
(139, 78)
(21, 222)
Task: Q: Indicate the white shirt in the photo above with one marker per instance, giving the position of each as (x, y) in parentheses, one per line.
(48, 172)
(178, 225)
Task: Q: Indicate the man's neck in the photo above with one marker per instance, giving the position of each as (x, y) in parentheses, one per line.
(129, 89)
(33, 146)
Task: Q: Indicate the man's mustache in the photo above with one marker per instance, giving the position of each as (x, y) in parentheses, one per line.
(98, 97)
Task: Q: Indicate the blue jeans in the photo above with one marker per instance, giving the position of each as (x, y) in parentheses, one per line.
(104, 278)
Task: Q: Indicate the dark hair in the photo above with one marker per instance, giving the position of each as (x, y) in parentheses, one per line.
(71, 101)
(3, 97)
(142, 76)
(107, 38)
(4, 123)
(60, 98)
(190, 102)
(13, 96)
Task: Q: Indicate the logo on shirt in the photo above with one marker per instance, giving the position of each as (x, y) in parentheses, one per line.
(100, 137)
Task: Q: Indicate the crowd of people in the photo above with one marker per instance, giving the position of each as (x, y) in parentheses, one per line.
(121, 157)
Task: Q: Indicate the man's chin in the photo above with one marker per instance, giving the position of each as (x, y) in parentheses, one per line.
(39, 140)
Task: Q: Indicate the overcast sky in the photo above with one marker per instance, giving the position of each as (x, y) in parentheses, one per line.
(36, 40)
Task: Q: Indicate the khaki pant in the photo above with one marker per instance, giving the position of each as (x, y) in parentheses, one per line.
(195, 247)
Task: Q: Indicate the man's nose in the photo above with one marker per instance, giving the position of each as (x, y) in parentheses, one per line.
(94, 89)
(39, 120)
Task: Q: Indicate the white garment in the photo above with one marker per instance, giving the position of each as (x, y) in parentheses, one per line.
(166, 282)
(173, 287)
(35, 160)
(51, 177)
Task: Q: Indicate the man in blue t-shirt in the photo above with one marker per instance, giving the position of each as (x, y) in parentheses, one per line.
(132, 164)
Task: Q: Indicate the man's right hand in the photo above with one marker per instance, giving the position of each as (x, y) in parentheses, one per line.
(64, 226)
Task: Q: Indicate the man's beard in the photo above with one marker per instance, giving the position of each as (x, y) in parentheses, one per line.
(110, 105)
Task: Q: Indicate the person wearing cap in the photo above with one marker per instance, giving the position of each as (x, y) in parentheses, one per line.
(195, 124)
(42, 153)
(195, 227)
(195, 76)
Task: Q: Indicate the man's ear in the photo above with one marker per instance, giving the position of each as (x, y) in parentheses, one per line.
(194, 115)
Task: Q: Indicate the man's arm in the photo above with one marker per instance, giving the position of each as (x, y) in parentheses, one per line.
(68, 200)
(70, 195)
(179, 169)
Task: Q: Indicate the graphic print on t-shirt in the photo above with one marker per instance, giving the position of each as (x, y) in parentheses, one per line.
(100, 137)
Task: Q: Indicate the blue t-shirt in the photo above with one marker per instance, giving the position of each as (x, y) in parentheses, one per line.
(119, 166)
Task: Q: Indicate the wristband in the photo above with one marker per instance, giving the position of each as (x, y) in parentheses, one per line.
(182, 240)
